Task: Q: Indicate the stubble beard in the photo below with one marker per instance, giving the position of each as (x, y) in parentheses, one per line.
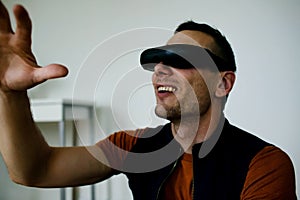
(177, 113)
(186, 111)
(171, 114)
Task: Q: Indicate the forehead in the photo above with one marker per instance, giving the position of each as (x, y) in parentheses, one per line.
(193, 38)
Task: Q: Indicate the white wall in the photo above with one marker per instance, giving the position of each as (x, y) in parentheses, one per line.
(263, 34)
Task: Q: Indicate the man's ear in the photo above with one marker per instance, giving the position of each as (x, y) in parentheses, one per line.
(225, 84)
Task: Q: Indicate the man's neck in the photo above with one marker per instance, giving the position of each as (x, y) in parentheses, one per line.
(193, 130)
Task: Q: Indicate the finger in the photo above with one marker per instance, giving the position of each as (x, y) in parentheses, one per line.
(5, 26)
(49, 72)
(23, 23)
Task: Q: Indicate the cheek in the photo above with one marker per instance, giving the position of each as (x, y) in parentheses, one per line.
(203, 97)
(205, 86)
(201, 90)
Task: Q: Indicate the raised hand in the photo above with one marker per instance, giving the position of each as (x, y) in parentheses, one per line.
(18, 68)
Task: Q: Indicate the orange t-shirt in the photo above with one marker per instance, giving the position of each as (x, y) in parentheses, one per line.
(263, 181)
(270, 175)
(180, 184)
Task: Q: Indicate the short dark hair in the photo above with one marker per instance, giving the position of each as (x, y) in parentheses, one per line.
(224, 49)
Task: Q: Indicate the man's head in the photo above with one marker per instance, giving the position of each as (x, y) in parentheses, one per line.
(188, 87)
(216, 42)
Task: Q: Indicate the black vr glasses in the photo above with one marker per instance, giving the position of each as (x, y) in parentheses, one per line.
(183, 56)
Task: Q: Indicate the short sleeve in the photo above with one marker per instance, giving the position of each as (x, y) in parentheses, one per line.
(271, 176)
(116, 146)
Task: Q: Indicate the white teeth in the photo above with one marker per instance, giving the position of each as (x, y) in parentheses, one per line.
(166, 89)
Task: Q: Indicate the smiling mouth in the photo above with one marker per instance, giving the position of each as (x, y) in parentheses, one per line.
(164, 89)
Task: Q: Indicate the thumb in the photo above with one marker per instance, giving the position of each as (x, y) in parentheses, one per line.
(51, 71)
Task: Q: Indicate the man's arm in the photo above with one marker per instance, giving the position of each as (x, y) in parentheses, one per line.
(29, 159)
(271, 176)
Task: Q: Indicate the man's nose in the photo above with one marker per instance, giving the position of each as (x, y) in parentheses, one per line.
(162, 70)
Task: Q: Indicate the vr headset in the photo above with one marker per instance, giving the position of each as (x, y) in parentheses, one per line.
(183, 56)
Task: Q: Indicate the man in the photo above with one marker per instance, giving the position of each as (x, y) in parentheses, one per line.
(198, 155)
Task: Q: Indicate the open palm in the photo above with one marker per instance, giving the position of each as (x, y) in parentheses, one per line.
(18, 68)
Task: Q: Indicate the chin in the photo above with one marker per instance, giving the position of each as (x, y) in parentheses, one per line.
(161, 112)
(170, 114)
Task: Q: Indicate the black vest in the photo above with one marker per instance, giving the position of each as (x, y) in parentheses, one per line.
(219, 175)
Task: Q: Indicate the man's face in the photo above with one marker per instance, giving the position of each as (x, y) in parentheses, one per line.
(183, 92)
